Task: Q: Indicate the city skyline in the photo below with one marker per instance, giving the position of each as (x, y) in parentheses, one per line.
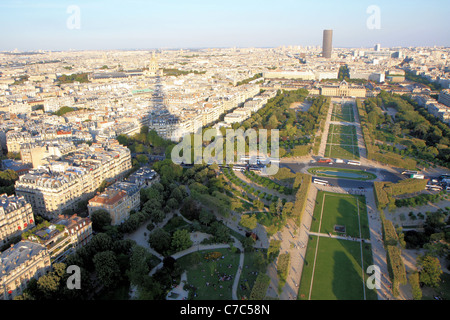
(51, 25)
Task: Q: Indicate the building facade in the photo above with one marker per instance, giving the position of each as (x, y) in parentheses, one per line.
(343, 90)
(444, 97)
(16, 215)
(19, 264)
(62, 184)
(118, 200)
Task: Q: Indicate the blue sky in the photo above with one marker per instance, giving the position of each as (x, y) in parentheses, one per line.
(146, 24)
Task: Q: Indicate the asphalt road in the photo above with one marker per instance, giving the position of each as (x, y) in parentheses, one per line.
(382, 174)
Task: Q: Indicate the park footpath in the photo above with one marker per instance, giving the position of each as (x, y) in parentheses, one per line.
(378, 250)
(294, 240)
(141, 238)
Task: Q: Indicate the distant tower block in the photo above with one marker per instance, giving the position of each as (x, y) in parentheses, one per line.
(378, 47)
(327, 47)
(153, 66)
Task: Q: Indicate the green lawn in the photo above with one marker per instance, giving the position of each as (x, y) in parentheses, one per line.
(204, 275)
(342, 152)
(248, 275)
(343, 113)
(342, 139)
(443, 290)
(339, 129)
(338, 273)
(341, 209)
(342, 142)
(338, 270)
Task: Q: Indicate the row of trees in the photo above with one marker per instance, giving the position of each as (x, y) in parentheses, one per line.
(418, 78)
(268, 183)
(419, 200)
(372, 118)
(76, 77)
(146, 142)
(428, 137)
(434, 239)
(246, 81)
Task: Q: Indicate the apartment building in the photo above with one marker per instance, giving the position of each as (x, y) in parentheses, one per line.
(16, 215)
(19, 264)
(444, 97)
(60, 185)
(55, 238)
(118, 200)
(78, 228)
(62, 235)
(14, 139)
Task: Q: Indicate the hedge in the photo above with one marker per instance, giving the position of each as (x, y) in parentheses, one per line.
(406, 186)
(301, 196)
(381, 197)
(283, 264)
(390, 235)
(396, 268)
(415, 285)
(260, 287)
(274, 250)
(384, 191)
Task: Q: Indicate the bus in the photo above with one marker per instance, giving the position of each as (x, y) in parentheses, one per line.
(354, 163)
(321, 182)
(434, 187)
(325, 160)
(410, 172)
(239, 168)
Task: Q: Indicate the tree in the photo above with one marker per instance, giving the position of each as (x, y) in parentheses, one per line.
(430, 273)
(181, 240)
(160, 240)
(149, 289)
(190, 210)
(260, 261)
(206, 217)
(100, 242)
(100, 219)
(102, 186)
(48, 285)
(177, 194)
(249, 222)
(435, 220)
(142, 158)
(258, 204)
(107, 268)
(172, 203)
(221, 232)
(138, 265)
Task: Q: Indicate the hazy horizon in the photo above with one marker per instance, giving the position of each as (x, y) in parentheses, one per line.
(83, 25)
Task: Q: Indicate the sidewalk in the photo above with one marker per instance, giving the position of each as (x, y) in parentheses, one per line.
(298, 237)
(378, 251)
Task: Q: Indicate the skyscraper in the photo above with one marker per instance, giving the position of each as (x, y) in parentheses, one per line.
(327, 43)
